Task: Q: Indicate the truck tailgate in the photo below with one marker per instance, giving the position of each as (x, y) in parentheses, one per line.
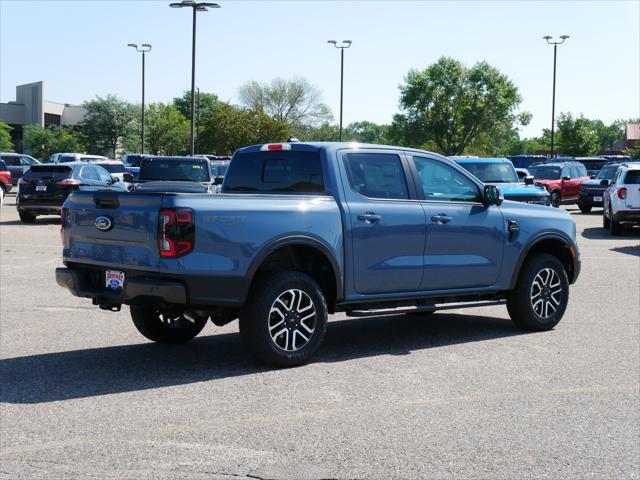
(112, 229)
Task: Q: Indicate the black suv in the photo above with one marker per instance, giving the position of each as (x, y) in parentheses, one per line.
(592, 191)
(44, 188)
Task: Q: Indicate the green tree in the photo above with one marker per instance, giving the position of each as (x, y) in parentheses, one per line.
(633, 151)
(6, 145)
(107, 122)
(366, 132)
(54, 139)
(325, 132)
(225, 128)
(450, 105)
(166, 130)
(577, 137)
(608, 134)
(295, 102)
(204, 99)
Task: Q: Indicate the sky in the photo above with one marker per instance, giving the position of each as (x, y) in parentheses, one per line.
(79, 49)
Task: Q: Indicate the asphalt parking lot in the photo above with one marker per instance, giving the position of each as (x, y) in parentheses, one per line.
(457, 395)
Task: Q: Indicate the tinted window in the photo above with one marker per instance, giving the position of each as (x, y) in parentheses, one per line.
(496, 172)
(174, 169)
(632, 177)
(275, 172)
(113, 167)
(88, 173)
(545, 172)
(219, 170)
(66, 159)
(47, 173)
(376, 175)
(132, 160)
(606, 173)
(442, 182)
(11, 160)
(3, 166)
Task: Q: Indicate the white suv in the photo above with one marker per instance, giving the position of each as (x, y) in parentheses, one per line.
(622, 199)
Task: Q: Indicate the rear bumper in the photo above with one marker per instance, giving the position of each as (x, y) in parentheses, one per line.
(627, 216)
(38, 204)
(137, 290)
(586, 198)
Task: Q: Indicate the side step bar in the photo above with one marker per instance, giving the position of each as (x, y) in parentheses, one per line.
(430, 308)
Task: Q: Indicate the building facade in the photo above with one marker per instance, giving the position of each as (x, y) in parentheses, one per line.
(31, 108)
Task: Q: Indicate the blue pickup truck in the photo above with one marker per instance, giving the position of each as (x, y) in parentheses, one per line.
(302, 230)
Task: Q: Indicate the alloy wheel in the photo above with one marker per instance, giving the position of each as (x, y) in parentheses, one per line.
(546, 293)
(292, 320)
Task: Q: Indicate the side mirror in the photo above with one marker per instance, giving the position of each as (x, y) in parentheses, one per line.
(492, 195)
(604, 183)
(218, 180)
(528, 180)
(127, 177)
(566, 178)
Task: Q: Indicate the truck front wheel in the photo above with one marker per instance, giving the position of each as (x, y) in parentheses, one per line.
(285, 318)
(166, 327)
(541, 294)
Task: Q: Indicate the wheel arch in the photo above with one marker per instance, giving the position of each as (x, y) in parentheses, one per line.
(556, 244)
(303, 254)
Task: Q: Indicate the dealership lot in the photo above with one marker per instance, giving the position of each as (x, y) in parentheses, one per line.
(463, 394)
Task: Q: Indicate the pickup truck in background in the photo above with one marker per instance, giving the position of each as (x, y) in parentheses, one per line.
(173, 175)
(302, 230)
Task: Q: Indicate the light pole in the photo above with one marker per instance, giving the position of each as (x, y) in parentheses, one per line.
(342, 46)
(144, 48)
(553, 101)
(196, 7)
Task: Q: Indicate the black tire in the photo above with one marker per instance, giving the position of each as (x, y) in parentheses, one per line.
(605, 219)
(584, 207)
(258, 319)
(26, 217)
(615, 228)
(521, 301)
(165, 328)
(554, 201)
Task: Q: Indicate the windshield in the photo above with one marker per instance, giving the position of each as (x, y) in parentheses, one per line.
(606, 173)
(497, 172)
(544, 172)
(176, 170)
(219, 170)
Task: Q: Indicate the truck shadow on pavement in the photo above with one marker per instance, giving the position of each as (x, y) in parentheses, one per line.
(599, 233)
(37, 221)
(102, 371)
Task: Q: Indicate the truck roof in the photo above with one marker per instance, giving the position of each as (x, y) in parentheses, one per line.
(327, 146)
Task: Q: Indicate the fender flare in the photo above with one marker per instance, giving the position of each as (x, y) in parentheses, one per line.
(561, 236)
(306, 240)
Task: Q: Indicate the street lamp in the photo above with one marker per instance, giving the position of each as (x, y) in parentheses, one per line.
(144, 48)
(553, 102)
(342, 46)
(197, 7)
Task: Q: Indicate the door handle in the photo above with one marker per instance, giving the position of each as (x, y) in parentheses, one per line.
(369, 217)
(441, 218)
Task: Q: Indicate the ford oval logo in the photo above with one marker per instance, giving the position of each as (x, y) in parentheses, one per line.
(104, 224)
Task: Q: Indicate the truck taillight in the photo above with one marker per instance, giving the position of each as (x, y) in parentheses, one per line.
(22, 181)
(176, 232)
(622, 193)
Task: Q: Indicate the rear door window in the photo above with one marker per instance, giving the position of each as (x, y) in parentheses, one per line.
(377, 175)
(11, 160)
(632, 177)
(275, 172)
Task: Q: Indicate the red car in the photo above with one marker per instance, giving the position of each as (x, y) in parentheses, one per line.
(5, 179)
(561, 179)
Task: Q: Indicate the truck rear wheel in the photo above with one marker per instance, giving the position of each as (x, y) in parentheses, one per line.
(555, 199)
(26, 217)
(541, 294)
(165, 327)
(285, 319)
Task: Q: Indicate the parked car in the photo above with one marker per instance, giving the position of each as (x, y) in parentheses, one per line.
(174, 174)
(525, 161)
(592, 164)
(218, 171)
(616, 158)
(622, 199)
(5, 179)
(132, 163)
(79, 157)
(523, 173)
(561, 179)
(592, 190)
(500, 172)
(306, 229)
(18, 164)
(44, 188)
